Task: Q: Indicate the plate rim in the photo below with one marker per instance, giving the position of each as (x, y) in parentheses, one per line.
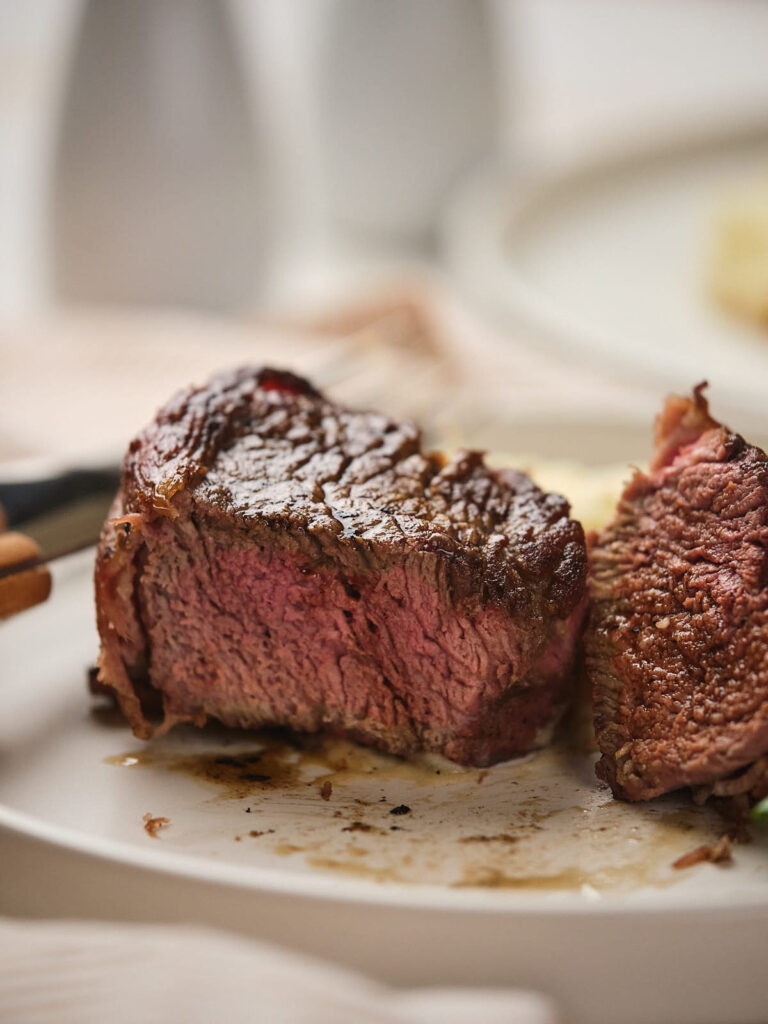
(404, 896)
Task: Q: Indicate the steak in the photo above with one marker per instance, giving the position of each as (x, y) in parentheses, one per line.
(274, 559)
(677, 645)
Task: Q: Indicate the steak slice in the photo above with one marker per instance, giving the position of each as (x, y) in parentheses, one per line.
(274, 559)
(677, 645)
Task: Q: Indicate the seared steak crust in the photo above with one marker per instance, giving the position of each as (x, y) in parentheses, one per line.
(275, 559)
(676, 646)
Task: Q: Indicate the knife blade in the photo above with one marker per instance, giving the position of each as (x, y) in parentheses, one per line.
(61, 514)
(24, 499)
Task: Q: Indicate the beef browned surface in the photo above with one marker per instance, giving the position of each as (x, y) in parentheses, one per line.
(275, 559)
(677, 643)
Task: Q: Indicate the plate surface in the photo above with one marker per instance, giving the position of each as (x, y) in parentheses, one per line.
(608, 260)
(268, 811)
(527, 874)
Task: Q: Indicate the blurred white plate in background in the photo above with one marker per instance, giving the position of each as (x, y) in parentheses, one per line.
(607, 261)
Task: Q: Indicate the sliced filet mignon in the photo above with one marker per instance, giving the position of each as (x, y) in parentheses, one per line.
(274, 559)
(677, 646)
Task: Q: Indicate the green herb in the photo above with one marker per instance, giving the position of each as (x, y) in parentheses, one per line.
(760, 811)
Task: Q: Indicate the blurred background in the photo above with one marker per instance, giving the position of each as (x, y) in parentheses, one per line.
(497, 216)
(522, 222)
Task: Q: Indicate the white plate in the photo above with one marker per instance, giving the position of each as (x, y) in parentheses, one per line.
(568, 880)
(607, 260)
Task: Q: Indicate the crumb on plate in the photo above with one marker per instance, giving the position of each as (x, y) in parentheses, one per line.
(153, 825)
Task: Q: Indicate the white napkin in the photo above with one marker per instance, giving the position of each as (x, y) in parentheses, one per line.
(83, 973)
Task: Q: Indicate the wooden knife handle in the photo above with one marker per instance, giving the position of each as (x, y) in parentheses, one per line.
(27, 587)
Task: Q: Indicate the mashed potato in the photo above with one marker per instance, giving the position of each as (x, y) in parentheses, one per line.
(738, 272)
